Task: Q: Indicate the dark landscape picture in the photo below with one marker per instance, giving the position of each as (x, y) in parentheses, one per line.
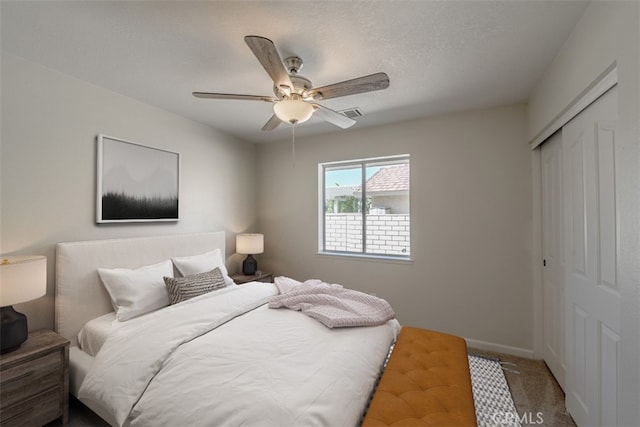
(136, 183)
(120, 206)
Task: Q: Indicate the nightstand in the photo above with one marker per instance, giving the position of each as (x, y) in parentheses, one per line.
(262, 277)
(34, 381)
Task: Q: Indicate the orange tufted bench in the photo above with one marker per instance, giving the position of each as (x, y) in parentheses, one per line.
(426, 383)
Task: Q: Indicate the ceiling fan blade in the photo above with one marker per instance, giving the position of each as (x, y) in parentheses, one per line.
(333, 117)
(267, 54)
(210, 95)
(368, 83)
(273, 123)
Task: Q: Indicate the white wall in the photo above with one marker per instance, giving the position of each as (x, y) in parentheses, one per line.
(48, 156)
(471, 221)
(608, 32)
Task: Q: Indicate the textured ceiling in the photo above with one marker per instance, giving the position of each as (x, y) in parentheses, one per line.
(441, 56)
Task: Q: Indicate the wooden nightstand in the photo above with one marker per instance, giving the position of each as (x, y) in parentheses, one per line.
(34, 381)
(262, 277)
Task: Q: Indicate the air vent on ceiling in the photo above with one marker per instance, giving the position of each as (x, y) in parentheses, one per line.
(352, 113)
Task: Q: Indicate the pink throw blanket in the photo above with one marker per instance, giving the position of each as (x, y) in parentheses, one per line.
(332, 305)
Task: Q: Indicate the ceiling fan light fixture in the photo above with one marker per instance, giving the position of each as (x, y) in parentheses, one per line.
(293, 110)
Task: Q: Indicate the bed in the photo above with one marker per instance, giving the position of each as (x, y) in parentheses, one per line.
(221, 358)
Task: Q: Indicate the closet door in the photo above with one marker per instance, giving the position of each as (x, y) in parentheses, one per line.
(553, 257)
(592, 297)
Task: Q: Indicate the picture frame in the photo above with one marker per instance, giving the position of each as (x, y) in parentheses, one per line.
(136, 183)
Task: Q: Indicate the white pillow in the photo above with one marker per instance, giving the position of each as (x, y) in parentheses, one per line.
(202, 263)
(136, 292)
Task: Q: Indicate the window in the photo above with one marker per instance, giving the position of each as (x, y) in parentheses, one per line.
(364, 207)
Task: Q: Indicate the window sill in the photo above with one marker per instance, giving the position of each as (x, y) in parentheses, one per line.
(358, 257)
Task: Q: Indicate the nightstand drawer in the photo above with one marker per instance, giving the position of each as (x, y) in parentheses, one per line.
(34, 381)
(38, 410)
(28, 379)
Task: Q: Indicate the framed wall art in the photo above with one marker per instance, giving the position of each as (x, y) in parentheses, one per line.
(136, 183)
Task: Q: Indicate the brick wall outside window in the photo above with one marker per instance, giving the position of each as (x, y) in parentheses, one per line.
(387, 234)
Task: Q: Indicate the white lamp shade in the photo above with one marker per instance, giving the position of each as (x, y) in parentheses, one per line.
(293, 110)
(250, 244)
(22, 279)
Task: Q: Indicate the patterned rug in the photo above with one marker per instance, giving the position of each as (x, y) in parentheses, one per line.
(494, 404)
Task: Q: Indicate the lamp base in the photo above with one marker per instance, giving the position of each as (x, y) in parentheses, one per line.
(249, 266)
(13, 330)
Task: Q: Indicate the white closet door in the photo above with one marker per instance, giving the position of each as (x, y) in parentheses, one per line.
(592, 297)
(553, 256)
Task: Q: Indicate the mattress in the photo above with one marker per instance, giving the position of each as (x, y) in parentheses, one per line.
(93, 335)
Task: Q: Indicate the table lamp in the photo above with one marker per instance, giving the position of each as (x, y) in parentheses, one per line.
(249, 244)
(22, 279)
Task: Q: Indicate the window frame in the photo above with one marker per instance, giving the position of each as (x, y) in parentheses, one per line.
(322, 207)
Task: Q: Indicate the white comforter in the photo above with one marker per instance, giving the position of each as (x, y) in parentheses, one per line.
(189, 365)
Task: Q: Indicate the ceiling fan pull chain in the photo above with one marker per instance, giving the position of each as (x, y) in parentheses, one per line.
(293, 144)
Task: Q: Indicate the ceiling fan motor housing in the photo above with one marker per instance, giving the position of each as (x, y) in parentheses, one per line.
(301, 84)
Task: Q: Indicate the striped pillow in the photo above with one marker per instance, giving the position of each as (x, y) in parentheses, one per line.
(184, 288)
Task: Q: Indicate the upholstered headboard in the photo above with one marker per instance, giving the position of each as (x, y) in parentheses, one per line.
(80, 296)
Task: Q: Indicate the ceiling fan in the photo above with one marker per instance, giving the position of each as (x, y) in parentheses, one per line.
(295, 97)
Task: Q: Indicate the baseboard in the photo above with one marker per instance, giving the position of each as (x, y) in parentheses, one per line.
(500, 348)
